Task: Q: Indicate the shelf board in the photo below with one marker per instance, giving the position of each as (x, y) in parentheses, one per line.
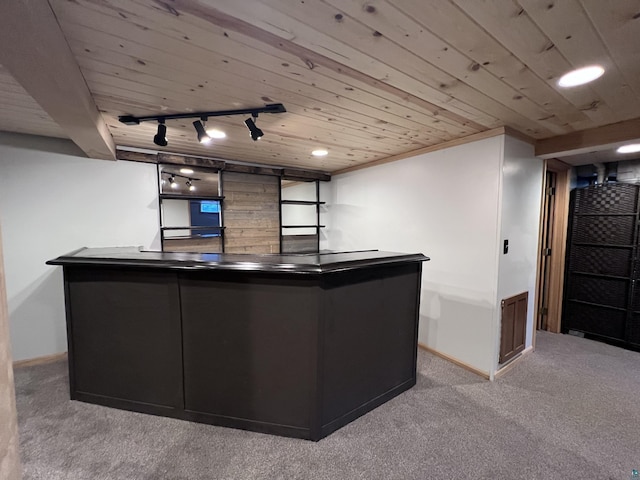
(605, 214)
(600, 275)
(301, 202)
(193, 237)
(177, 196)
(192, 228)
(605, 245)
(618, 341)
(302, 226)
(611, 307)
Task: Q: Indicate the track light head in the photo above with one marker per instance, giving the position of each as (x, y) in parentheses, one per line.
(172, 182)
(202, 134)
(191, 186)
(160, 138)
(129, 120)
(256, 133)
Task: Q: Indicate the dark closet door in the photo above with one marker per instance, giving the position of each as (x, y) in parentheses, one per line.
(514, 326)
(601, 264)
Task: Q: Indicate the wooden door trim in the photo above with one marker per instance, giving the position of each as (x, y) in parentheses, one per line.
(539, 273)
(558, 246)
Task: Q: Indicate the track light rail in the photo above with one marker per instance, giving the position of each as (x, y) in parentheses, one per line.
(269, 108)
(171, 174)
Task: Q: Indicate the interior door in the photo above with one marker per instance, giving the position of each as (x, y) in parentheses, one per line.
(545, 258)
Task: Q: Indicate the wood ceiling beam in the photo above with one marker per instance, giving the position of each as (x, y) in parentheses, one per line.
(36, 53)
(178, 159)
(590, 140)
(132, 156)
(311, 58)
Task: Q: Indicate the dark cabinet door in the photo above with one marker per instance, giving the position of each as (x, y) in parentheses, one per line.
(514, 323)
(124, 340)
(249, 347)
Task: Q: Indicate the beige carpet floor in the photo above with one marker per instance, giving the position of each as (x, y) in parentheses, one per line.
(570, 410)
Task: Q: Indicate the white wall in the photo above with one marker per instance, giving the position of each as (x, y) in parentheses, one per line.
(443, 204)
(299, 214)
(522, 179)
(176, 213)
(52, 201)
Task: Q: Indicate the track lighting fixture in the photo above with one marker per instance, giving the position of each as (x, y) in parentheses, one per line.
(202, 134)
(174, 178)
(256, 133)
(160, 137)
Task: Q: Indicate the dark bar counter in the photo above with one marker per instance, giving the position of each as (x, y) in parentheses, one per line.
(293, 345)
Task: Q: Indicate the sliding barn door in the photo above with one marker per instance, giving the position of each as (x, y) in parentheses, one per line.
(601, 298)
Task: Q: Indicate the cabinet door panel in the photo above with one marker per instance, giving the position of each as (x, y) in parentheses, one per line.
(249, 347)
(125, 335)
(514, 326)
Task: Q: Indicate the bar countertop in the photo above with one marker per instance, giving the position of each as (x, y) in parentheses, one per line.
(311, 263)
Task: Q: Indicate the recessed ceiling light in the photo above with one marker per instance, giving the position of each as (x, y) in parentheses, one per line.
(631, 148)
(319, 153)
(215, 133)
(581, 76)
(186, 171)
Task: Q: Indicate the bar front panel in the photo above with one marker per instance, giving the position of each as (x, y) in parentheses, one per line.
(370, 338)
(125, 334)
(249, 346)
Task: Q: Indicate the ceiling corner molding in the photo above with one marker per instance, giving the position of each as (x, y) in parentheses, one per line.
(35, 52)
(590, 140)
(432, 148)
(520, 136)
(557, 165)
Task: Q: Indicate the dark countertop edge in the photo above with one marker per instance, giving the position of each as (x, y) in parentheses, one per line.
(283, 268)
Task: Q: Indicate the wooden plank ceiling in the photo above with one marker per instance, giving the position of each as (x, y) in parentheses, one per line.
(21, 113)
(365, 79)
